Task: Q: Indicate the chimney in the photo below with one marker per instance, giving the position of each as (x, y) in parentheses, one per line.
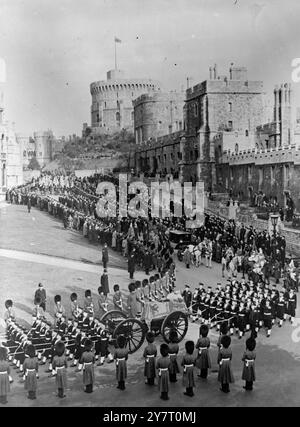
(230, 71)
(276, 102)
(210, 73)
(281, 96)
(289, 94)
(215, 72)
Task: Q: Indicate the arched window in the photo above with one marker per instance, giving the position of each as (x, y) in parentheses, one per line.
(196, 109)
(236, 148)
(118, 116)
(246, 132)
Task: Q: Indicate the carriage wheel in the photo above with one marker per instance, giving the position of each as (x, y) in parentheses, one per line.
(177, 321)
(111, 315)
(134, 331)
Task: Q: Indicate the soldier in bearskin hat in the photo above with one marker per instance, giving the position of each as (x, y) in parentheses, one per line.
(150, 353)
(248, 358)
(31, 368)
(87, 360)
(121, 356)
(188, 363)
(59, 365)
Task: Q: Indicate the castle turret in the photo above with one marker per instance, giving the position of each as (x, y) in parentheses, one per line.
(112, 108)
(277, 116)
(285, 113)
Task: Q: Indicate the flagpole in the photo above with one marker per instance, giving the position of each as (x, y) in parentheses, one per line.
(115, 55)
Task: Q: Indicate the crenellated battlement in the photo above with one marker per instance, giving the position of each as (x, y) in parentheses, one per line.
(284, 154)
(111, 108)
(124, 85)
(237, 81)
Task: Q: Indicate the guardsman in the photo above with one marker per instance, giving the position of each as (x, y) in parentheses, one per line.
(150, 353)
(203, 362)
(31, 367)
(248, 358)
(59, 309)
(87, 362)
(88, 303)
(74, 305)
(188, 363)
(162, 366)
(121, 356)
(117, 298)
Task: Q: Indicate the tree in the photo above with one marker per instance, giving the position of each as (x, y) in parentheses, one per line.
(34, 164)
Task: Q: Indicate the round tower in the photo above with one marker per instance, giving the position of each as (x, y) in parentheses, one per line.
(112, 108)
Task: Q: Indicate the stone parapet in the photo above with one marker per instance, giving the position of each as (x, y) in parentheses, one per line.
(224, 85)
(284, 154)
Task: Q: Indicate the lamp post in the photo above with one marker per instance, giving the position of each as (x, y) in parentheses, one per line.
(274, 221)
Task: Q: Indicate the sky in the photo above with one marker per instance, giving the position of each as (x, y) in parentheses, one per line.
(54, 49)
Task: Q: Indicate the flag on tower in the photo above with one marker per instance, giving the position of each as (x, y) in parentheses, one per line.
(117, 40)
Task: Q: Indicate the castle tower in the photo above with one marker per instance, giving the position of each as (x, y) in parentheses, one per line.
(277, 138)
(43, 146)
(230, 106)
(285, 115)
(112, 108)
(157, 114)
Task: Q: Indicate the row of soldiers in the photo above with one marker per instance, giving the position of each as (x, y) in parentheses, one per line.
(165, 367)
(82, 326)
(242, 305)
(73, 332)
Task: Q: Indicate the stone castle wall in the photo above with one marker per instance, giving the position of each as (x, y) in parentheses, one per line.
(273, 171)
(161, 156)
